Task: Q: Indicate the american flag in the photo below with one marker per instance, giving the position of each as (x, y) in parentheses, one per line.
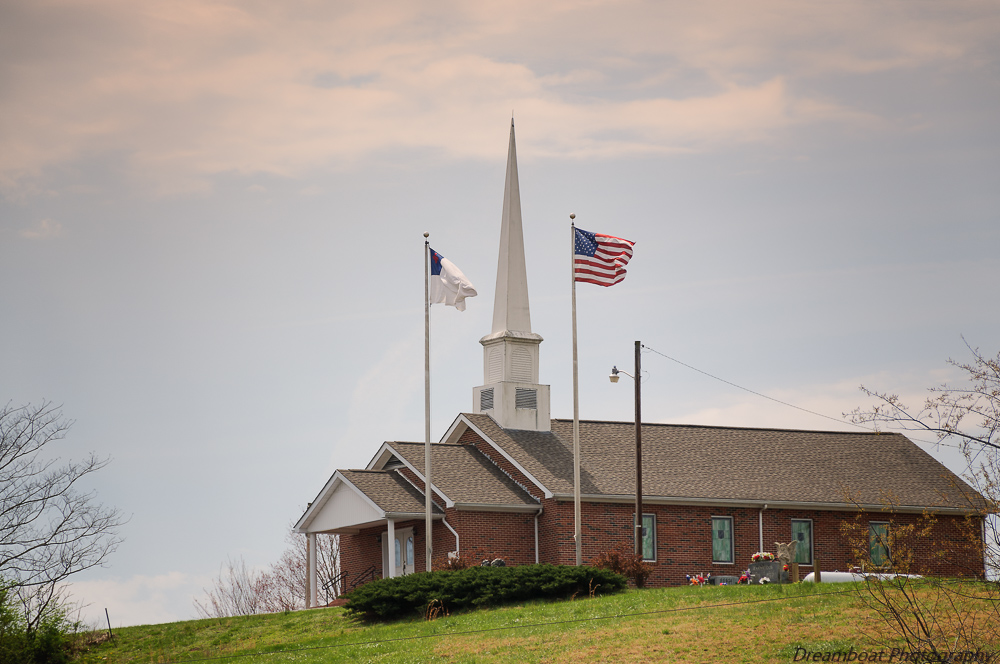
(601, 259)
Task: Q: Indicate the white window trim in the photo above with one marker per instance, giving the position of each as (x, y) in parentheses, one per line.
(812, 538)
(732, 540)
(655, 542)
(888, 534)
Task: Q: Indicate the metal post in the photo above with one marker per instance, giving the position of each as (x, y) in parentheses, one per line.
(638, 452)
(428, 529)
(577, 517)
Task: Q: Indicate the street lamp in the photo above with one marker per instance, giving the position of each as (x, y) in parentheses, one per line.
(638, 443)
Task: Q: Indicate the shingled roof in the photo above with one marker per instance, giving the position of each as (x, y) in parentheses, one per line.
(391, 492)
(731, 464)
(465, 475)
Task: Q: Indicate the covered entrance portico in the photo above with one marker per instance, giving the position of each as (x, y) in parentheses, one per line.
(359, 500)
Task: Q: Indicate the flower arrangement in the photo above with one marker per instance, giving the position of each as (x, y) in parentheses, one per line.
(698, 579)
(761, 555)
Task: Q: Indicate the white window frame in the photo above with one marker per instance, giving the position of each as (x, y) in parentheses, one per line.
(885, 544)
(732, 541)
(652, 535)
(644, 515)
(812, 538)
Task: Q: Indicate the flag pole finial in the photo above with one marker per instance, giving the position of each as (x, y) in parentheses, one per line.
(572, 216)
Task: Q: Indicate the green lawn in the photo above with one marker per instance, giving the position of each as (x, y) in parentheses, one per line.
(711, 624)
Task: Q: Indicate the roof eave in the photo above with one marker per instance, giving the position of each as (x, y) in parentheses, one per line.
(760, 504)
(489, 507)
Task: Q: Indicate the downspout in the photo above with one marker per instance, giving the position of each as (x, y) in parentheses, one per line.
(538, 514)
(760, 526)
(448, 526)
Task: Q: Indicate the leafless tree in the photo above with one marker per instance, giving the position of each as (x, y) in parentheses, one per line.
(49, 528)
(239, 590)
(291, 571)
(943, 615)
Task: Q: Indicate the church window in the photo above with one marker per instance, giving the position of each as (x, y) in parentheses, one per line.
(878, 543)
(802, 533)
(722, 539)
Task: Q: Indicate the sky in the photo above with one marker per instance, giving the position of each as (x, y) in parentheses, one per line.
(212, 218)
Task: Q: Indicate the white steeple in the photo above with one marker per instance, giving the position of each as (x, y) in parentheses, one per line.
(511, 394)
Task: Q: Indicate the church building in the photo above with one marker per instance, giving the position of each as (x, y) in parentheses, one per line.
(502, 481)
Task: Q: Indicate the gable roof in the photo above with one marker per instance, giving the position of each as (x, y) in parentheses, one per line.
(689, 463)
(390, 491)
(352, 499)
(464, 476)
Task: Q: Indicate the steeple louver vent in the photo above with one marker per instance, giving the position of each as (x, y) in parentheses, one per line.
(496, 365)
(525, 398)
(486, 399)
(521, 365)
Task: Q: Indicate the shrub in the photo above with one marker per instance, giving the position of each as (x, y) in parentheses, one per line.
(474, 587)
(47, 643)
(465, 560)
(623, 560)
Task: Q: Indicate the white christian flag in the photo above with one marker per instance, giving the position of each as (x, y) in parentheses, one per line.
(600, 259)
(448, 284)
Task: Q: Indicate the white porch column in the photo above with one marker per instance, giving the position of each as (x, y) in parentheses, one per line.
(311, 564)
(391, 548)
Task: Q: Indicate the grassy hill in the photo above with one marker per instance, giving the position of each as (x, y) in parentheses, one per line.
(711, 624)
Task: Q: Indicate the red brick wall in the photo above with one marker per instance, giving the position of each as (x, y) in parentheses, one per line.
(683, 538)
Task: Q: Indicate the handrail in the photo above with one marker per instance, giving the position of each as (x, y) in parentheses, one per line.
(338, 583)
(363, 577)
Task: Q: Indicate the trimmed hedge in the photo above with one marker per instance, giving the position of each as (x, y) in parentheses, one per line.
(408, 596)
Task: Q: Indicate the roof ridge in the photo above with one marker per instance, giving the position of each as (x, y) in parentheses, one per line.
(410, 442)
(733, 428)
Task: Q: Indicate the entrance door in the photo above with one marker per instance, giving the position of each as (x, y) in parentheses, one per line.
(401, 550)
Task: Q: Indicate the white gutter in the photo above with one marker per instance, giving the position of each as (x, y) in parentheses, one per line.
(781, 504)
(760, 526)
(538, 514)
(489, 507)
(448, 526)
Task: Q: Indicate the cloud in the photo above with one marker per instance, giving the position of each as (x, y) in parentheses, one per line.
(43, 229)
(139, 599)
(186, 89)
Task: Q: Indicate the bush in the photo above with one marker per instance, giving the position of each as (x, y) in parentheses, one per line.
(46, 644)
(474, 587)
(623, 560)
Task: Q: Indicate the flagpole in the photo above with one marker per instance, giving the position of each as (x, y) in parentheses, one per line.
(578, 527)
(428, 530)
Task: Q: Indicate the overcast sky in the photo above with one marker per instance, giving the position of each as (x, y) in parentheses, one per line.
(211, 219)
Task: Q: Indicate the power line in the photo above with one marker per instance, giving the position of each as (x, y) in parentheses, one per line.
(509, 627)
(785, 403)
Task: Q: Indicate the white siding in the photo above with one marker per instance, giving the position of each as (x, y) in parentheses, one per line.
(344, 509)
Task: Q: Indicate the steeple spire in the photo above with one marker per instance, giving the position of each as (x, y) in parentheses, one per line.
(510, 308)
(512, 395)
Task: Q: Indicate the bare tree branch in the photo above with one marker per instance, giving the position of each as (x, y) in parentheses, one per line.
(49, 529)
(239, 590)
(942, 616)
